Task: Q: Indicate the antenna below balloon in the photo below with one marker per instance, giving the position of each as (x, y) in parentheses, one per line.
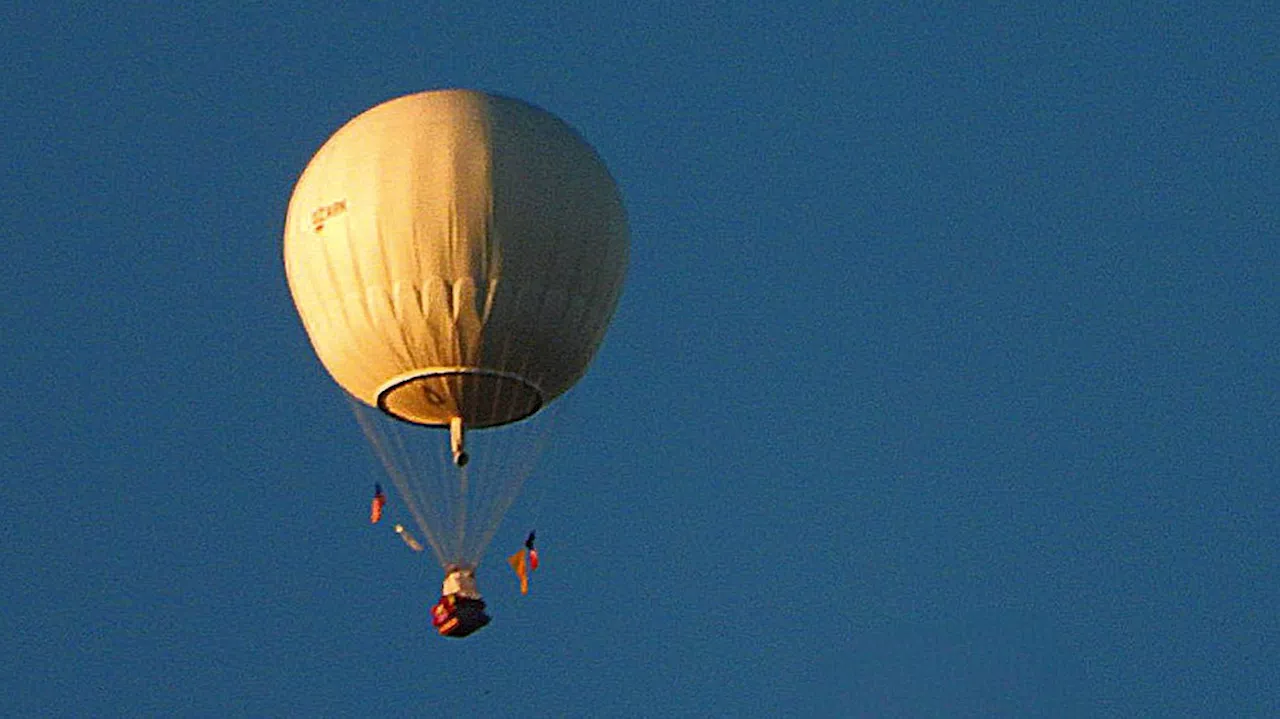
(457, 441)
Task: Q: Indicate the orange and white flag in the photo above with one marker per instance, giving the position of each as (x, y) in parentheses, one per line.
(520, 564)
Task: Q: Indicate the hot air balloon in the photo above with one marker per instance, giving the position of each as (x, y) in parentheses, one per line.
(455, 257)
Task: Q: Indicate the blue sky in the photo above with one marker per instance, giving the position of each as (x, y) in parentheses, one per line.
(944, 382)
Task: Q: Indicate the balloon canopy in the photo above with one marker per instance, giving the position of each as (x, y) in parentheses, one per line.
(455, 254)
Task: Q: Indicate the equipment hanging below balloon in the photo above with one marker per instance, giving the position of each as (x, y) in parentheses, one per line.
(379, 501)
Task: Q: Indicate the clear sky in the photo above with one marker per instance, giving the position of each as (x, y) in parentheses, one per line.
(944, 382)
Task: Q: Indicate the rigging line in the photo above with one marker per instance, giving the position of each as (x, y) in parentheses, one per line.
(403, 443)
(433, 483)
(423, 442)
(383, 450)
(491, 471)
(402, 477)
(529, 441)
(404, 448)
(540, 491)
(443, 491)
(424, 477)
(463, 476)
